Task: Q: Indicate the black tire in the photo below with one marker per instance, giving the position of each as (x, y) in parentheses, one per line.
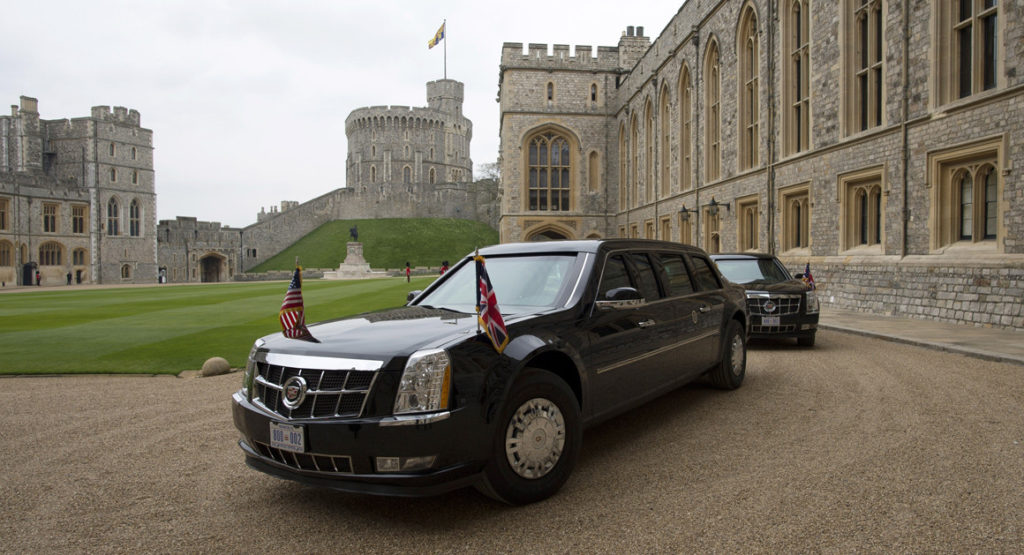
(554, 418)
(805, 340)
(729, 372)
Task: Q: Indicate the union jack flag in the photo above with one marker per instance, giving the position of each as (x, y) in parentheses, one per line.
(292, 315)
(487, 308)
(808, 278)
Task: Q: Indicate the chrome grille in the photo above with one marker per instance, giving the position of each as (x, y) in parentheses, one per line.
(784, 304)
(329, 393)
(341, 464)
(788, 328)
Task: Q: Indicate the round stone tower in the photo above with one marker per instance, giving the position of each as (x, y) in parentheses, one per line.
(403, 145)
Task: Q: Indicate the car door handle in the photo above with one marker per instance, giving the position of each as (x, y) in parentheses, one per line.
(646, 323)
(704, 308)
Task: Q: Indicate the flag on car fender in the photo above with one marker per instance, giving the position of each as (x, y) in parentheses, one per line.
(487, 308)
(808, 278)
(292, 314)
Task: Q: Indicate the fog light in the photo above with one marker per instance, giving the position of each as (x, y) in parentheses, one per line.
(404, 464)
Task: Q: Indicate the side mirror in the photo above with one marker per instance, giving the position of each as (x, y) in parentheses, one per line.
(620, 297)
(412, 295)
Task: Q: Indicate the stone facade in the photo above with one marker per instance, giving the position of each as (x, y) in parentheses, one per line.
(76, 197)
(620, 111)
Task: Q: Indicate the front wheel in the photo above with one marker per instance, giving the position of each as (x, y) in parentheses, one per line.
(729, 372)
(536, 441)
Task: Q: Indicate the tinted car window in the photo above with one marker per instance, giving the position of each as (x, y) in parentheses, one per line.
(615, 276)
(521, 284)
(749, 270)
(645, 272)
(703, 274)
(677, 278)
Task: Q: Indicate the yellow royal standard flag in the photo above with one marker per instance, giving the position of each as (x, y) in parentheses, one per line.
(438, 36)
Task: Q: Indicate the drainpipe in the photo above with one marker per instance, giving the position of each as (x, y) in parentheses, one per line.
(698, 72)
(905, 215)
(772, 24)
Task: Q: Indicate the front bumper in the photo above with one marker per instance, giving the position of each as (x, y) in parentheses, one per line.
(341, 453)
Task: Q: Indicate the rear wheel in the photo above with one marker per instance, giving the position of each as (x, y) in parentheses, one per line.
(728, 374)
(536, 441)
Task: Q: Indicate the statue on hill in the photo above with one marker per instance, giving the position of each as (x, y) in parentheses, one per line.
(354, 232)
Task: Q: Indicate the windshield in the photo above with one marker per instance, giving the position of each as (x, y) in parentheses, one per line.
(521, 284)
(749, 270)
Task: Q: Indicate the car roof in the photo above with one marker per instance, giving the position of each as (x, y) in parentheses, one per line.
(741, 256)
(587, 245)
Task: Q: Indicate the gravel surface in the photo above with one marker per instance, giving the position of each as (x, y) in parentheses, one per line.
(855, 445)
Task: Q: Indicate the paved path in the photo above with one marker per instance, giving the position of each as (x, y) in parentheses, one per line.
(1003, 345)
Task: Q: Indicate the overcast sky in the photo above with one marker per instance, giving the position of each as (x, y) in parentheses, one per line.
(247, 100)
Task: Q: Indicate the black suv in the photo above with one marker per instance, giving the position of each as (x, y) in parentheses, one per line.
(417, 400)
(780, 305)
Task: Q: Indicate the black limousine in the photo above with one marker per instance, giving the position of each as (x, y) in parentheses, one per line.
(417, 400)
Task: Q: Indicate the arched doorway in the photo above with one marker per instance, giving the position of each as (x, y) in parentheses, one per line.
(546, 235)
(212, 266)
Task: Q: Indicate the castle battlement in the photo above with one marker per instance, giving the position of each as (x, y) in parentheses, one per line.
(561, 57)
(120, 114)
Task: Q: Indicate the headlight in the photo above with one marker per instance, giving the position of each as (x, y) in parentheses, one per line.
(250, 369)
(812, 302)
(425, 383)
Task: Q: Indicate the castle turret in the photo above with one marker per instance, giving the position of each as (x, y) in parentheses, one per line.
(445, 95)
(632, 47)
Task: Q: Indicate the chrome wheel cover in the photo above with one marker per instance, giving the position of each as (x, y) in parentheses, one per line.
(535, 438)
(737, 354)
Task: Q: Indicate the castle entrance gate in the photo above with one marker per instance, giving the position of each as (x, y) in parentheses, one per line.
(212, 266)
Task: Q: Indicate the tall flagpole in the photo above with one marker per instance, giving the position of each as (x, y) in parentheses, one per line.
(444, 23)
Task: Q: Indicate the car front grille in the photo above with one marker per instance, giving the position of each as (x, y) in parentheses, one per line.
(780, 305)
(789, 328)
(329, 393)
(338, 464)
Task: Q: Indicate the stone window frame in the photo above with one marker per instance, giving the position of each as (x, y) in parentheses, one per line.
(623, 173)
(51, 253)
(748, 85)
(373, 173)
(685, 229)
(407, 174)
(126, 271)
(6, 253)
(622, 231)
(945, 168)
(712, 231)
(748, 223)
(51, 217)
(135, 153)
(863, 60)
(113, 150)
(634, 186)
(594, 171)
(113, 175)
(665, 228)
(135, 177)
(113, 217)
(595, 97)
(950, 27)
(78, 257)
(135, 218)
(634, 231)
(862, 196)
(795, 205)
(664, 117)
(548, 135)
(685, 128)
(649, 229)
(713, 111)
(432, 176)
(5, 209)
(650, 187)
(796, 48)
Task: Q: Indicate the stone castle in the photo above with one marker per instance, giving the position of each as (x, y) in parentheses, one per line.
(77, 198)
(881, 142)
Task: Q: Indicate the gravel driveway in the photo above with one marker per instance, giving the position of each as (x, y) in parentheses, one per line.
(855, 445)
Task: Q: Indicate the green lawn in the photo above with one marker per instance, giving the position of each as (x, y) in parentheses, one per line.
(165, 329)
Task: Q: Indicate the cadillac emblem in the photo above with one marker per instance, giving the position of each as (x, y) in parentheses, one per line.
(294, 392)
(769, 306)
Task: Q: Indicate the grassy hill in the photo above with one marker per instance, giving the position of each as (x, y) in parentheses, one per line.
(387, 243)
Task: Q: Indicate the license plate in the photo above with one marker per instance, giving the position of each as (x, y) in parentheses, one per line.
(769, 320)
(287, 437)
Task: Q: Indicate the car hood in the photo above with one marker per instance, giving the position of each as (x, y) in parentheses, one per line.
(788, 286)
(378, 335)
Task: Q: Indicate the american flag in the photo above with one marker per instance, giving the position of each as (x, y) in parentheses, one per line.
(487, 308)
(808, 278)
(292, 315)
